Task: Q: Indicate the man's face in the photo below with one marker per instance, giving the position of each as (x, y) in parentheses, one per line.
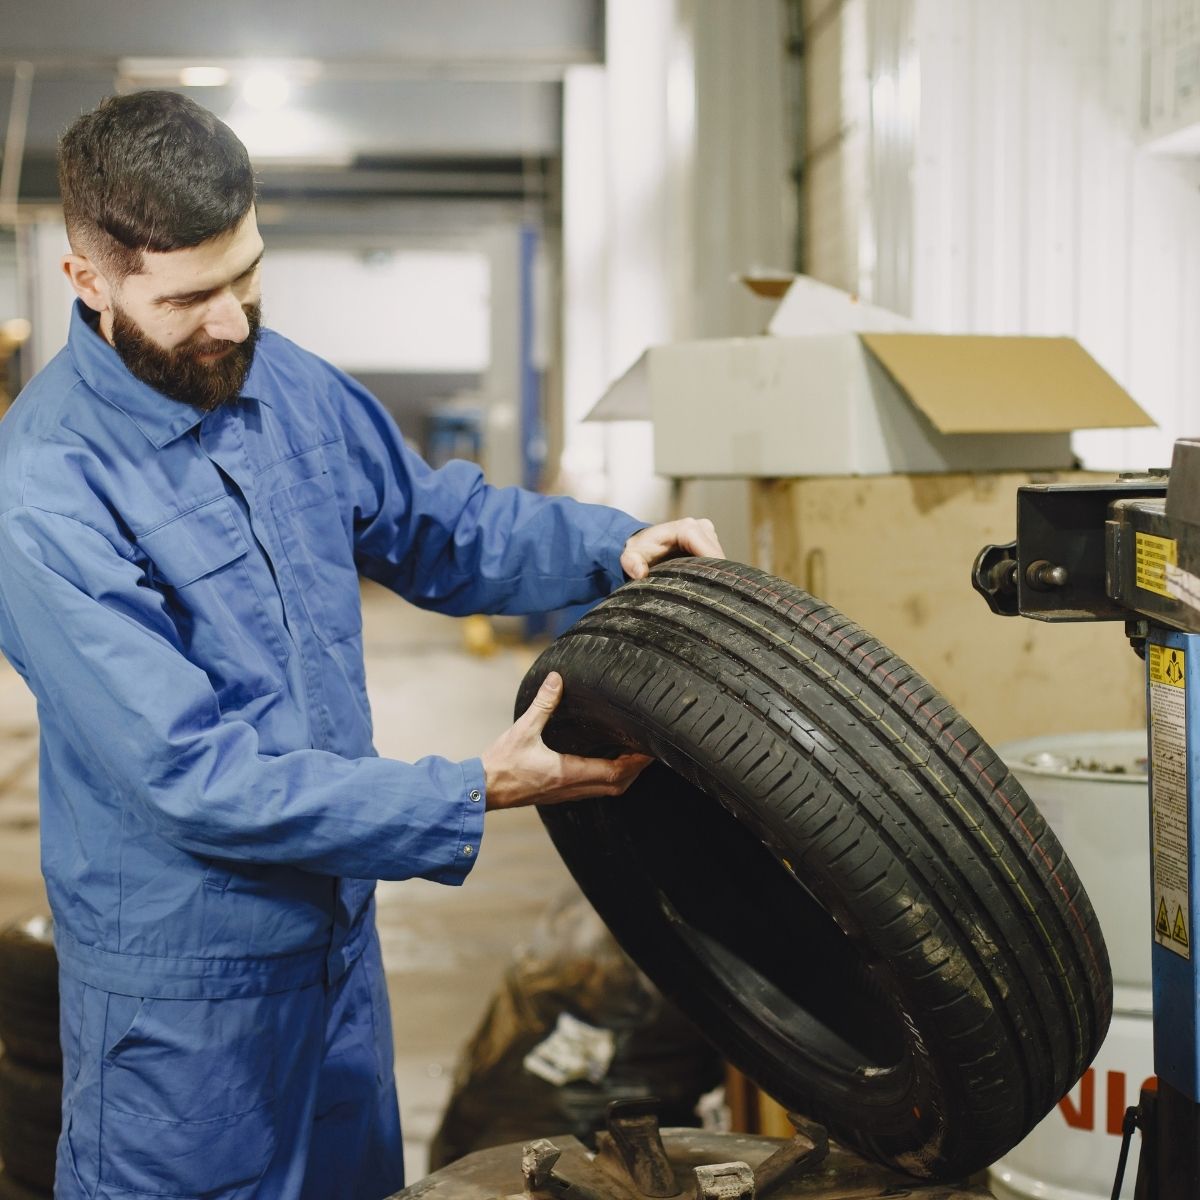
(187, 323)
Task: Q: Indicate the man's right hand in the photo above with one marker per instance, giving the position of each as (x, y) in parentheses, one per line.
(521, 769)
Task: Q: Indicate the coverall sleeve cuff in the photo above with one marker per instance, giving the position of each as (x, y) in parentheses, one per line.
(624, 528)
(472, 801)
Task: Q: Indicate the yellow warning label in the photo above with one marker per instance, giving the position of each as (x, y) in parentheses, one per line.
(1153, 554)
(1179, 933)
(1170, 786)
(1166, 665)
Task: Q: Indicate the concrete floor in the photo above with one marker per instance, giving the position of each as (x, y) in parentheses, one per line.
(445, 948)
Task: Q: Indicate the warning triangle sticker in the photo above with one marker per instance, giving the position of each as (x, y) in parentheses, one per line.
(1179, 933)
(1161, 924)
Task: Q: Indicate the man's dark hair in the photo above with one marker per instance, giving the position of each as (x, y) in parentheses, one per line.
(150, 171)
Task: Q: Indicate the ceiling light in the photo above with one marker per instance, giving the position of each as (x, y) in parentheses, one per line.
(209, 76)
(134, 73)
(266, 89)
(265, 79)
(289, 135)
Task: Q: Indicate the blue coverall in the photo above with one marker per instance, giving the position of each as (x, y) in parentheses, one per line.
(181, 594)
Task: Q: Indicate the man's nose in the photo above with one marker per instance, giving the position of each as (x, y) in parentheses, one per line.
(226, 319)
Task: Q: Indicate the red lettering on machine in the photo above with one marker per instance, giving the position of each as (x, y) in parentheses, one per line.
(1082, 1115)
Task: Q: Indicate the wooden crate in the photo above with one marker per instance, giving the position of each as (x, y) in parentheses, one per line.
(894, 552)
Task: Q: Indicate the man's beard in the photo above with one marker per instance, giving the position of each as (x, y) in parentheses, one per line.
(180, 373)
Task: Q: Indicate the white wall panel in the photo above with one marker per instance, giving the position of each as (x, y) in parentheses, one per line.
(894, 104)
(426, 309)
(677, 162)
(1034, 206)
(835, 141)
(744, 208)
(44, 286)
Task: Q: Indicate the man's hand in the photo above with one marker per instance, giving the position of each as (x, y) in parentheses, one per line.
(669, 540)
(521, 769)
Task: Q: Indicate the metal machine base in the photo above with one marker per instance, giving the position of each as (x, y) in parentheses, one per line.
(692, 1164)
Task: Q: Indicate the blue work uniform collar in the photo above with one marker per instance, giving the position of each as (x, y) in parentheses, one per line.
(160, 418)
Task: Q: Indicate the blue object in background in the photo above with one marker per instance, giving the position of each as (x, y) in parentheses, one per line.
(533, 423)
(453, 433)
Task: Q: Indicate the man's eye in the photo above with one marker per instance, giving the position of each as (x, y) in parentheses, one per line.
(180, 304)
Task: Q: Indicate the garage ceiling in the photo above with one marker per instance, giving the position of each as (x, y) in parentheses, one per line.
(418, 98)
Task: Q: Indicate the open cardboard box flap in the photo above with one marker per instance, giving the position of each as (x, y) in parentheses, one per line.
(962, 383)
(811, 307)
(971, 384)
(839, 387)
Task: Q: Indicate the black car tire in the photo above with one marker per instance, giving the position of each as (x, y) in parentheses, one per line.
(828, 869)
(30, 1119)
(29, 993)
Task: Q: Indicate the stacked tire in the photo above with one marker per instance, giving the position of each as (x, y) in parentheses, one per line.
(31, 1064)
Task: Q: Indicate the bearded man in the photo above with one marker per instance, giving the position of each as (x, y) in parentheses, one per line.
(187, 502)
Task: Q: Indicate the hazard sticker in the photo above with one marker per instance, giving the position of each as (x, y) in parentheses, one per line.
(1166, 665)
(1168, 797)
(1179, 933)
(1153, 554)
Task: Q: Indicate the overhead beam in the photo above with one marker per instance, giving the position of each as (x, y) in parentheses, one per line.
(481, 37)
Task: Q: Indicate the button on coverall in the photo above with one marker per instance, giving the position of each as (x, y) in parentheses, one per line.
(181, 593)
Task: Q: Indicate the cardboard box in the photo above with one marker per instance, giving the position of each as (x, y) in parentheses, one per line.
(838, 388)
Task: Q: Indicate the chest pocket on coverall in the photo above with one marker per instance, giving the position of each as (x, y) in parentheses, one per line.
(320, 554)
(210, 596)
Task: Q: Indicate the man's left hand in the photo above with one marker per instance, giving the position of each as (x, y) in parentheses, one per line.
(672, 539)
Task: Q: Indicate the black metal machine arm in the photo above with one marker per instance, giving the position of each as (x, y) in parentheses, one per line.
(1057, 568)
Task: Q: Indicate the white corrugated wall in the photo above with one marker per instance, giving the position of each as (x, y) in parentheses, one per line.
(743, 202)
(676, 178)
(836, 145)
(1011, 189)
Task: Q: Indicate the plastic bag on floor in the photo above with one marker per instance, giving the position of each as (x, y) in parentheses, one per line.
(573, 1026)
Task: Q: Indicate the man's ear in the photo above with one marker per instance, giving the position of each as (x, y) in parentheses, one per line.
(90, 286)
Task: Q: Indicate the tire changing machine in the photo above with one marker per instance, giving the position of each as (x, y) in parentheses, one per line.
(1130, 551)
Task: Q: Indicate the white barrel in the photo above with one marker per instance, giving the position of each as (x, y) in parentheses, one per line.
(1092, 789)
